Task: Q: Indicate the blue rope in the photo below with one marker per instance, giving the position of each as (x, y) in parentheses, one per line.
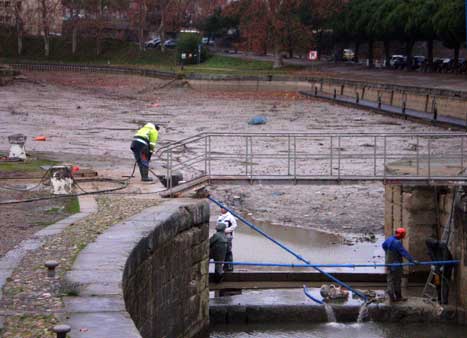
(254, 227)
(352, 266)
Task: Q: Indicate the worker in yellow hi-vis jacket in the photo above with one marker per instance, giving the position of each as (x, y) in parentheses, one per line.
(142, 146)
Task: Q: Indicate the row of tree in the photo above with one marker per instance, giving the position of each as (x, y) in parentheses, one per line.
(94, 17)
(406, 21)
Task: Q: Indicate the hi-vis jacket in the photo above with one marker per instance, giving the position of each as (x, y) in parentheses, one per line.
(149, 134)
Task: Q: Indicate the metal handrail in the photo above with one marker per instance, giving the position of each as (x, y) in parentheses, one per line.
(250, 157)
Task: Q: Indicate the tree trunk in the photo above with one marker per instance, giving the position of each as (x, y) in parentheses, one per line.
(408, 51)
(278, 62)
(46, 44)
(357, 51)
(456, 55)
(429, 53)
(162, 30)
(387, 53)
(141, 26)
(98, 43)
(74, 38)
(371, 62)
(19, 29)
(19, 38)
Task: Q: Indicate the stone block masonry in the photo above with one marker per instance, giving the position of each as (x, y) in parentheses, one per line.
(145, 277)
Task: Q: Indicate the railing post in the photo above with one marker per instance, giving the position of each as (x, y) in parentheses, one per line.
(246, 156)
(342, 89)
(169, 178)
(427, 99)
(379, 100)
(295, 159)
(251, 157)
(374, 156)
(288, 155)
(404, 105)
(434, 109)
(384, 157)
(338, 157)
(206, 155)
(391, 99)
(429, 157)
(209, 158)
(462, 152)
(334, 96)
(331, 153)
(357, 97)
(418, 155)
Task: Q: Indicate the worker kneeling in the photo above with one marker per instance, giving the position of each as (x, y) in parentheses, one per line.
(217, 249)
(142, 146)
(394, 253)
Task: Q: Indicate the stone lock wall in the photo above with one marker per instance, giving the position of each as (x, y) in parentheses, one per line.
(416, 208)
(165, 280)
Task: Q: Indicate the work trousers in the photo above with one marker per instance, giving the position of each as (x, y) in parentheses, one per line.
(394, 279)
(217, 253)
(229, 255)
(142, 156)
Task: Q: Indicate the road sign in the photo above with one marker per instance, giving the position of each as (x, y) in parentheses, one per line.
(313, 55)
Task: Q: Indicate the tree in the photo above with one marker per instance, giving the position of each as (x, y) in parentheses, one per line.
(422, 18)
(48, 11)
(138, 13)
(75, 8)
(449, 24)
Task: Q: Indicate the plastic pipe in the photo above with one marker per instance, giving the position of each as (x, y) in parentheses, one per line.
(309, 295)
(254, 227)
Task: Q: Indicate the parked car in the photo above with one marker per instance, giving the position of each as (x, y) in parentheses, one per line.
(153, 43)
(170, 43)
(206, 41)
(398, 61)
(418, 61)
(348, 55)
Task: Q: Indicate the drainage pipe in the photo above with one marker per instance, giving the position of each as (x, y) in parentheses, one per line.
(296, 255)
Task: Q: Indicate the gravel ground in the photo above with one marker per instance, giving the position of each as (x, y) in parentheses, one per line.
(32, 302)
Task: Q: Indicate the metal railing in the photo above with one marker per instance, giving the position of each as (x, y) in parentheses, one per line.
(316, 157)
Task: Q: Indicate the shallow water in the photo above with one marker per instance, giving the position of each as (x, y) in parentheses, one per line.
(316, 246)
(342, 330)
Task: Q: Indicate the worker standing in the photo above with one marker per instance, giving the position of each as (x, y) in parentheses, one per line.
(217, 250)
(394, 252)
(142, 146)
(439, 251)
(231, 224)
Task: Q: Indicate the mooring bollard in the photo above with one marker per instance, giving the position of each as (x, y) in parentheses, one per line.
(357, 97)
(334, 96)
(17, 149)
(61, 330)
(51, 265)
(379, 101)
(316, 91)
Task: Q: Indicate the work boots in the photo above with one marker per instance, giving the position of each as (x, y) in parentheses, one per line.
(144, 175)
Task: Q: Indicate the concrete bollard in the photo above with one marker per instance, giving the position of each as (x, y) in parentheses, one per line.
(17, 149)
(61, 180)
(61, 330)
(51, 265)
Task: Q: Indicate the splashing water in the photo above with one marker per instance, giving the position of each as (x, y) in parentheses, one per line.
(330, 313)
(363, 313)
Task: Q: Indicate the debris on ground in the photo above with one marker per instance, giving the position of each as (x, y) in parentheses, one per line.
(257, 120)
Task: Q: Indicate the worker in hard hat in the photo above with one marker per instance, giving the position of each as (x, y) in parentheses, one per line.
(217, 250)
(231, 224)
(395, 250)
(142, 146)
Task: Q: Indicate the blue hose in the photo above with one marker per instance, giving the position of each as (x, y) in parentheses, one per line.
(352, 266)
(309, 295)
(254, 227)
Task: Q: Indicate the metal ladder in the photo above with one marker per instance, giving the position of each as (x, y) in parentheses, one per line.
(429, 290)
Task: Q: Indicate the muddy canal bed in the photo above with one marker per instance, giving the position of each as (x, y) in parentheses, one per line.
(103, 111)
(340, 330)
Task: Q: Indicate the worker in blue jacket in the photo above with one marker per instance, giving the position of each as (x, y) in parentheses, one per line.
(395, 251)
